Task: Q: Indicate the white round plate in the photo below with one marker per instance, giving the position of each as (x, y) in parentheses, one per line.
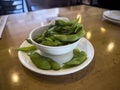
(84, 45)
(111, 20)
(112, 14)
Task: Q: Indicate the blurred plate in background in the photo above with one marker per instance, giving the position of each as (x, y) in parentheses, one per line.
(112, 14)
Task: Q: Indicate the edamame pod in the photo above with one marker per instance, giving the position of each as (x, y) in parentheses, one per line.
(29, 41)
(66, 23)
(54, 65)
(78, 58)
(51, 43)
(43, 62)
(62, 23)
(70, 38)
(39, 61)
(27, 49)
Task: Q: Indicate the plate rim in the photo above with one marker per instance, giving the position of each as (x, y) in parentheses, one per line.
(111, 20)
(61, 71)
(106, 14)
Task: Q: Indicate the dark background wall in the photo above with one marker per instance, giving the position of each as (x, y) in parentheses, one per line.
(110, 4)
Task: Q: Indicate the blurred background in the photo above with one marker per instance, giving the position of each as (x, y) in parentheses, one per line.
(21, 6)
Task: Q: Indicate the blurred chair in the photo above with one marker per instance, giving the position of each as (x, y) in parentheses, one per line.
(11, 6)
(75, 2)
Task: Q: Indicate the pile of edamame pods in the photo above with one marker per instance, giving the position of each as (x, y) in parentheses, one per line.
(62, 33)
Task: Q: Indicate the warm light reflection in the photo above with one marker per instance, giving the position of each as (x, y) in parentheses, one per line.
(15, 77)
(110, 46)
(10, 51)
(80, 18)
(88, 35)
(102, 29)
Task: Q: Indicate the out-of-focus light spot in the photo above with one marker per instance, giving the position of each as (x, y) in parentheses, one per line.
(102, 29)
(15, 78)
(110, 46)
(9, 50)
(80, 18)
(88, 35)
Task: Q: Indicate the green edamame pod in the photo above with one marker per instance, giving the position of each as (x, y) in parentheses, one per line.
(62, 23)
(76, 52)
(51, 43)
(50, 31)
(76, 61)
(66, 23)
(29, 41)
(70, 38)
(43, 62)
(39, 61)
(39, 39)
(54, 65)
(27, 49)
(78, 58)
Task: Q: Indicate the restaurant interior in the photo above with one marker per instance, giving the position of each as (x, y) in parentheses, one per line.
(59, 44)
(21, 6)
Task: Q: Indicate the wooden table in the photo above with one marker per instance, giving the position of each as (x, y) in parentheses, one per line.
(103, 73)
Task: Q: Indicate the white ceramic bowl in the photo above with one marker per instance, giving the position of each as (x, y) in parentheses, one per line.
(52, 50)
